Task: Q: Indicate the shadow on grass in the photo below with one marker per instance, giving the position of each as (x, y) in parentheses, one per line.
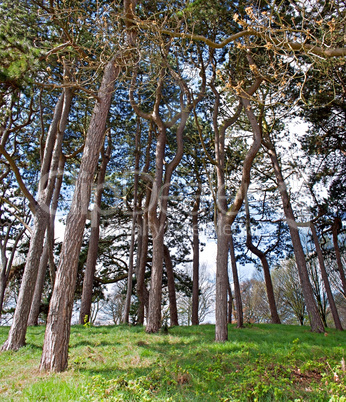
(86, 342)
(31, 345)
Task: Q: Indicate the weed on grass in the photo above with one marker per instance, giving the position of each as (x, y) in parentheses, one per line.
(122, 363)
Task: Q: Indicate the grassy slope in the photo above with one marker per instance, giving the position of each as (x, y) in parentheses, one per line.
(263, 362)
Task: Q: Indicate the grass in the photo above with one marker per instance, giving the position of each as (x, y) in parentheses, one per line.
(121, 363)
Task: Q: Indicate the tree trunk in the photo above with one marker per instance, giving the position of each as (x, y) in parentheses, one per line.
(335, 229)
(230, 302)
(3, 276)
(16, 337)
(41, 275)
(55, 348)
(223, 235)
(314, 316)
(269, 286)
(160, 193)
(143, 257)
(85, 308)
(171, 288)
(157, 223)
(133, 228)
(155, 293)
(143, 238)
(53, 208)
(266, 270)
(195, 261)
(237, 293)
(332, 305)
(229, 213)
(3, 282)
(223, 230)
(48, 249)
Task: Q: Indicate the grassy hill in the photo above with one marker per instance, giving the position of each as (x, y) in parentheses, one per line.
(259, 362)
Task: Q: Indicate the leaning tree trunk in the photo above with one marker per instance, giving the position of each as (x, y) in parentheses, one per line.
(171, 288)
(16, 337)
(48, 248)
(314, 316)
(55, 348)
(50, 162)
(269, 285)
(85, 308)
(262, 256)
(237, 293)
(335, 229)
(41, 275)
(332, 305)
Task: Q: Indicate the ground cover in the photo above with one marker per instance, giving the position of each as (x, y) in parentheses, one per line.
(121, 363)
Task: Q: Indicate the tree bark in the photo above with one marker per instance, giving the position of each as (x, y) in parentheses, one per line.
(85, 308)
(332, 305)
(47, 250)
(171, 288)
(195, 258)
(143, 238)
(223, 228)
(314, 316)
(157, 229)
(335, 229)
(3, 281)
(16, 337)
(55, 348)
(230, 302)
(266, 270)
(223, 236)
(41, 275)
(133, 228)
(237, 293)
(143, 258)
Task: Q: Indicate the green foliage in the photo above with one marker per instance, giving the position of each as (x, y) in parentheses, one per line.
(122, 363)
(19, 42)
(87, 323)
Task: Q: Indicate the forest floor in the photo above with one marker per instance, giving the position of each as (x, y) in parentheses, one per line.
(120, 363)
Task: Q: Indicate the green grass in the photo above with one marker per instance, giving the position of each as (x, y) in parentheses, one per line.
(259, 362)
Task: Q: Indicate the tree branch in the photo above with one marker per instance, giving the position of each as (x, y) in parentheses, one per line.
(14, 167)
